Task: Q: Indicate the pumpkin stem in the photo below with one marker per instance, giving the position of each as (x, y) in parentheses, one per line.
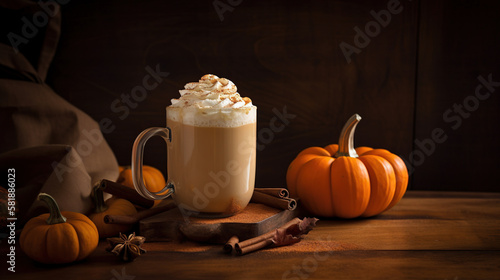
(346, 140)
(55, 216)
(98, 198)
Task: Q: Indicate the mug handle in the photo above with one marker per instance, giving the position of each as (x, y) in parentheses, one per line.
(138, 153)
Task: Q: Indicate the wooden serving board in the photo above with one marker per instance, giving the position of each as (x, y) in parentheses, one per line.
(254, 220)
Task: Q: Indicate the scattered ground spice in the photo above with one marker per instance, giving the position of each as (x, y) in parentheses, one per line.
(304, 246)
(253, 213)
(185, 247)
(235, 206)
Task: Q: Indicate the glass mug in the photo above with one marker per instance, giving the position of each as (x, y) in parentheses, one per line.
(210, 159)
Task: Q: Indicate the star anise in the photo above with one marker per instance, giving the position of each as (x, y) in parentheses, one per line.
(127, 248)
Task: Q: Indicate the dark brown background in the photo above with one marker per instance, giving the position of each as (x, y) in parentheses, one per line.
(286, 53)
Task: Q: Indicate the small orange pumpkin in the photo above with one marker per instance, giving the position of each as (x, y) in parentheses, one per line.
(153, 178)
(335, 182)
(112, 206)
(58, 237)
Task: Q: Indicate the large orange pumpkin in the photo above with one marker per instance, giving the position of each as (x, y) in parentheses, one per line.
(335, 182)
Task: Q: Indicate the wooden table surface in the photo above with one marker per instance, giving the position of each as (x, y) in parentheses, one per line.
(428, 235)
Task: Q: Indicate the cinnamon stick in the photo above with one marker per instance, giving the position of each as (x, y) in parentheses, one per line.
(276, 202)
(120, 219)
(261, 241)
(277, 192)
(254, 247)
(125, 192)
(229, 246)
(143, 214)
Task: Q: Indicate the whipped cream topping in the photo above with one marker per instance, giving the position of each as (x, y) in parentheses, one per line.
(211, 92)
(212, 102)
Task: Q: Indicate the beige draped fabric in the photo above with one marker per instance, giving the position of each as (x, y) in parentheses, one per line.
(53, 146)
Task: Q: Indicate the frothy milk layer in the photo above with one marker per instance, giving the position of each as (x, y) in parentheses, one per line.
(210, 117)
(212, 102)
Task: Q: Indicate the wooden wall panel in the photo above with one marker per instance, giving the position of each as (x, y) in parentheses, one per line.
(459, 41)
(285, 55)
